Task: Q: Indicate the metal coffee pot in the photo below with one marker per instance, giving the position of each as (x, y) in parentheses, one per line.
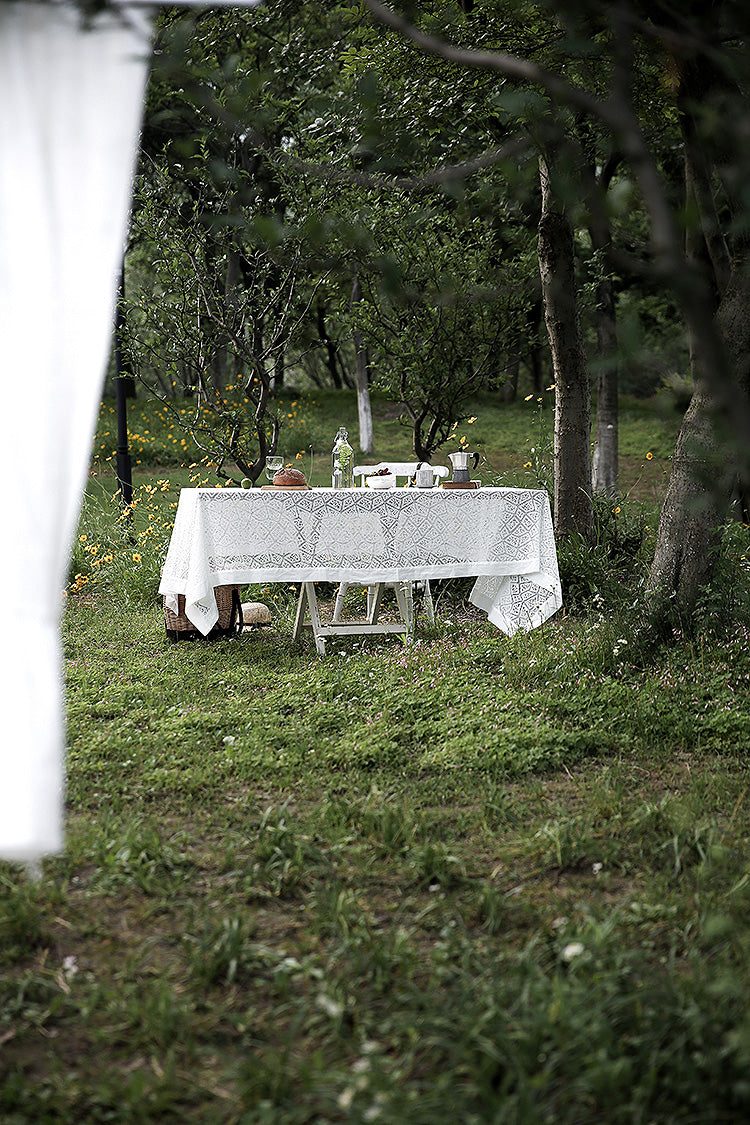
(460, 463)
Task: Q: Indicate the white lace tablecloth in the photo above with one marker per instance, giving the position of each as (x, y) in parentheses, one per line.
(502, 535)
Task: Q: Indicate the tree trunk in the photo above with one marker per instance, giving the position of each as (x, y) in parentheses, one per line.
(222, 359)
(278, 369)
(606, 451)
(536, 366)
(234, 302)
(606, 442)
(690, 515)
(128, 381)
(702, 478)
(362, 378)
(698, 494)
(573, 508)
(329, 345)
(697, 499)
(535, 355)
(510, 386)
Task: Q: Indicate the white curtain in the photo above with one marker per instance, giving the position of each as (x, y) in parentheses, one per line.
(70, 109)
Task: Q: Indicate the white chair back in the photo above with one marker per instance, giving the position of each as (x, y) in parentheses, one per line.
(403, 469)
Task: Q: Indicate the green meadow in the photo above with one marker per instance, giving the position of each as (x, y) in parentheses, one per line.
(472, 879)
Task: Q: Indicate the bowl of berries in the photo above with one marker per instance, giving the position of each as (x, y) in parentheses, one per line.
(381, 478)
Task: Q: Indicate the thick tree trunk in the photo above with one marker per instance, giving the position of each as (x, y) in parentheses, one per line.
(362, 378)
(702, 481)
(690, 515)
(573, 508)
(698, 497)
(699, 494)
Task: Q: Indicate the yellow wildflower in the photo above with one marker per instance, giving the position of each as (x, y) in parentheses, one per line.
(649, 456)
(617, 510)
(528, 398)
(136, 556)
(527, 465)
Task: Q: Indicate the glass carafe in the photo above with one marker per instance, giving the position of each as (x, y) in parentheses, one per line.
(342, 461)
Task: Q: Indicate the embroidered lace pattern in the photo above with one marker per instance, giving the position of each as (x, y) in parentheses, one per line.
(502, 536)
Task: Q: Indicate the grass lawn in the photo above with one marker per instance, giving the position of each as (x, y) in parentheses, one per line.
(473, 880)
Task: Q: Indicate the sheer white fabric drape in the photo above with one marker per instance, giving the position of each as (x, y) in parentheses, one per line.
(70, 109)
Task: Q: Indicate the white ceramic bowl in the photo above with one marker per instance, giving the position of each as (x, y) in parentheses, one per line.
(388, 481)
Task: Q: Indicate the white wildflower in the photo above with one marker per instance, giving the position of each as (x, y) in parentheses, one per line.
(346, 1097)
(330, 1006)
(70, 966)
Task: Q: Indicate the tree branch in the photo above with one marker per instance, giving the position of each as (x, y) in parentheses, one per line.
(521, 70)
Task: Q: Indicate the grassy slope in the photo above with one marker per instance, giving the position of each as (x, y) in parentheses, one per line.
(504, 434)
(477, 880)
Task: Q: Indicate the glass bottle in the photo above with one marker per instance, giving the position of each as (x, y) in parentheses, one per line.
(342, 461)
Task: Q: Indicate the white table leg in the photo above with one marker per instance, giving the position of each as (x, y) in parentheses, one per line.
(300, 615)
(374, 598)
(312, 601)
(405, 599)
(338, 608)
(409, 594)
(308, 601)
(429, 605)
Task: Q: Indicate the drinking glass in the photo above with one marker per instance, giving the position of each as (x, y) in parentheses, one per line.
(273, 464)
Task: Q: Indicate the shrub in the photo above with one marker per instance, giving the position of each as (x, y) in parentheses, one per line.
(725, 600)
(611, 569)
(119, 552)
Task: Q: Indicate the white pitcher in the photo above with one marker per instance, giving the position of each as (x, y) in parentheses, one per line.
(425, 475)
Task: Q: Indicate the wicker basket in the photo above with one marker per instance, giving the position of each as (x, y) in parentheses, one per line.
(180, 628)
